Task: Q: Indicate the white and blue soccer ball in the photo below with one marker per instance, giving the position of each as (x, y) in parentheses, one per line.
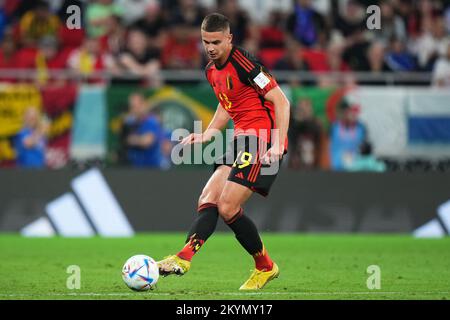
(140, 273)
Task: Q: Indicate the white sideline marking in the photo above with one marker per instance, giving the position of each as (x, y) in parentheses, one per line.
(82, 294)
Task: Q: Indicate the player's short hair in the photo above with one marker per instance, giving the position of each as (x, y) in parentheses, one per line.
(215, 22)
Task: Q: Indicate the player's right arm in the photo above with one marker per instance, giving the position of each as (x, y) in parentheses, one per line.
(218, 122)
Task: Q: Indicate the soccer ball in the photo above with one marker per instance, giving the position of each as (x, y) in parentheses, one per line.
(140, 273)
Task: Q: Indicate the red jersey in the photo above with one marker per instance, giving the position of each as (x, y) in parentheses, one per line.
(240, 85)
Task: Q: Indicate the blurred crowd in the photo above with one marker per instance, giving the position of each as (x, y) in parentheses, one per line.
(344, 146)
(133, 40)
(141, 37)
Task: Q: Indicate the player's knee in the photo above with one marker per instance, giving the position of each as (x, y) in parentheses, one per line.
(227, 209)
(207, 197)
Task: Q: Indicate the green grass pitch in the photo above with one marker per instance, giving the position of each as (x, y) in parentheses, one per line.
(312, 267)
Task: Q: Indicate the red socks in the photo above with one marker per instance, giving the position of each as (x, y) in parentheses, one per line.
(191, 248)
(263, 261)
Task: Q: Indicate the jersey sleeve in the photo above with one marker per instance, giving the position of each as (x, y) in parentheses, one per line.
(253, 72)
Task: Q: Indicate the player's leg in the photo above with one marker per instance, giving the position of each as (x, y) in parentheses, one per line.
(230, 204)
(202, 227)
(205, 222)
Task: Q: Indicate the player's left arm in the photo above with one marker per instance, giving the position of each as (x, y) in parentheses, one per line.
(279, 135)
(251, 70)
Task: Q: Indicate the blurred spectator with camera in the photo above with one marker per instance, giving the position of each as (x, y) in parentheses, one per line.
(347, 135)
(142, 135)
(365, 160)
(30, 143)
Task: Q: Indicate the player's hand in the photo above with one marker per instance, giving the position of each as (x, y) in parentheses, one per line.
(275, 153)
(192, 138)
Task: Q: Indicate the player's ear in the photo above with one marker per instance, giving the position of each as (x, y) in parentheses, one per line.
(230, 38)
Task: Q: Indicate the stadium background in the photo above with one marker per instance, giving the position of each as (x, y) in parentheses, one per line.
(347, 197)
(76, 76)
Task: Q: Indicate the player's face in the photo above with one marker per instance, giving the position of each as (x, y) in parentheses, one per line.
(217, 44)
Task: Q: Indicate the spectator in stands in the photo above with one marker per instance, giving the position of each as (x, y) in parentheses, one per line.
(355, 52)
(431, 44)
(97, 15)
(335, 62)
(441, 72)
(3, 21)
(140, 59)
(142, 134)
(447, 18)
(153, 24)
(47, 57)
(305, 137)
(190, 14)
(272, 34)
(38, 23)
(181, 49)
(376, 54)
(30, 142)
(336, 70)
(392, 25)
(89, 59)
(8, 56)
(239, 20)
(305, 24)
(292, 59)
(133, 10)
(427, 12)
(347, 135)
(398, 58)
(351, 20)
(366, 161)
(114, 40)
(406, 11)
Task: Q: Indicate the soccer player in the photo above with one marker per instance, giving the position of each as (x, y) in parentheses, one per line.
(251, 97)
